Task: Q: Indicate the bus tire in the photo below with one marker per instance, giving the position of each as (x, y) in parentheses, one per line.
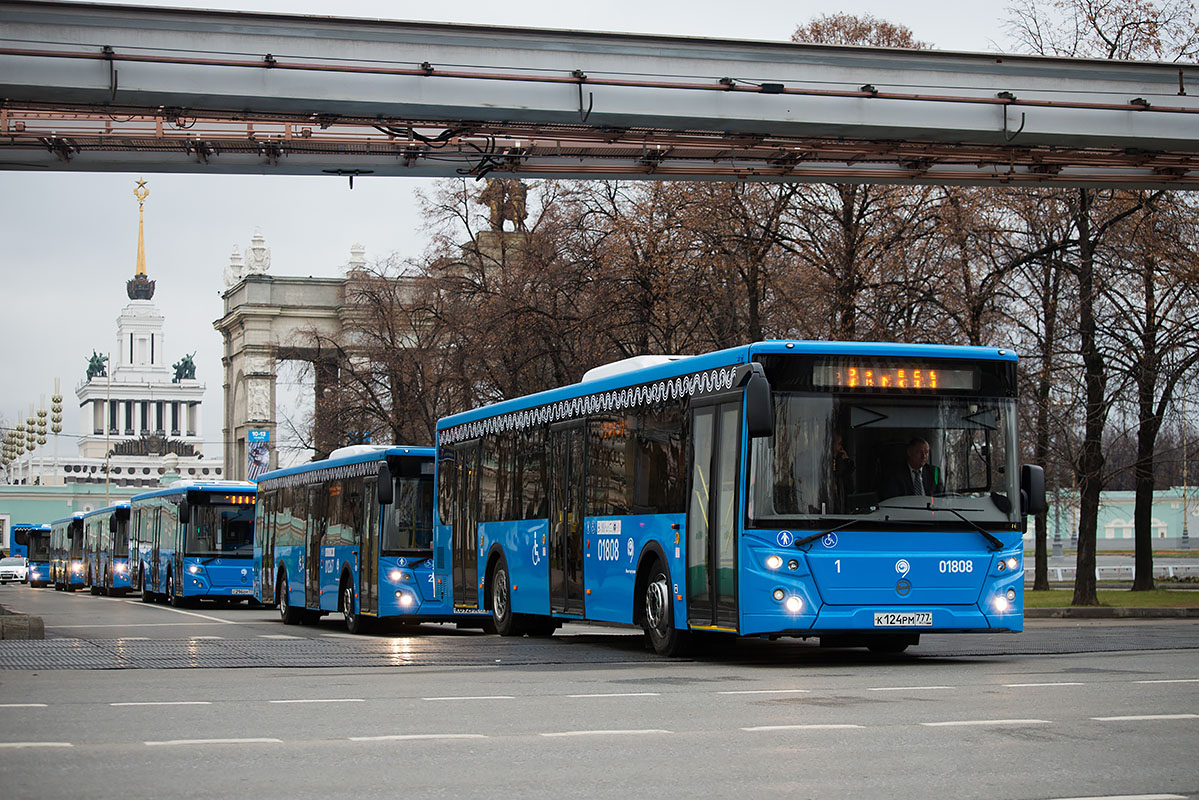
(355, 622)
(287, 612)
(176, 602)
(663, 636)
(502, 616)
(147, 595)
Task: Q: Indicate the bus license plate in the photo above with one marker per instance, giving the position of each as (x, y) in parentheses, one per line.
(251, 591)
(906, 619)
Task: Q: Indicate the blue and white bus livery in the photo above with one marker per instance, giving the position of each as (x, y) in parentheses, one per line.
(33, 542)
(194, 541)
(351, 534)
(106, 550)
(763, 490)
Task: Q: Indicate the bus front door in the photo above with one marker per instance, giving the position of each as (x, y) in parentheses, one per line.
(466, 528)
(567, 488)
(712, 517)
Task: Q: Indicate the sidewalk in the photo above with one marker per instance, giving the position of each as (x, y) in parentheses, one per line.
(1111, 612)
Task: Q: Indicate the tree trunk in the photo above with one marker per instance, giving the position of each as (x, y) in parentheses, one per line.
(1147, 432)
(1091, 459)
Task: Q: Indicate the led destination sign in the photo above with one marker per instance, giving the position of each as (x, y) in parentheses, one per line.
(892, 375)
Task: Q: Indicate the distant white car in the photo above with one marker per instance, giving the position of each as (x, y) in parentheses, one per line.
(14, 568)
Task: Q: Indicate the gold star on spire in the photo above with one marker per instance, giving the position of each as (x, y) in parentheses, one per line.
(141, 193)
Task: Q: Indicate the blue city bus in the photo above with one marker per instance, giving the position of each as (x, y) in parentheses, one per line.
(33, 543)
(352, 534)
(106, 549)
(66, 553)
(754, 491)
(194, 541)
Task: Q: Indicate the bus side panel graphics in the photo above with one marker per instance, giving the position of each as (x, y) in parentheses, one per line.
(333, 558)
(525, 549)
(613, 550)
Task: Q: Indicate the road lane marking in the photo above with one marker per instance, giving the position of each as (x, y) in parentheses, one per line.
(480, 697)
(138, 625)
(906, 688)
(813, 727)
(181, 611)
(278, 636)
(968, 722)
(1173, 680)
(328, 700)
(340, 636)
(174, 742)
(619, 694)
(768, 691)
(222, 638)
(22, 705)
(1128, 797)
(18, 745)
(166, 703)
(1032, 685)
(605, 733)
(1139, 717)
(415, 736)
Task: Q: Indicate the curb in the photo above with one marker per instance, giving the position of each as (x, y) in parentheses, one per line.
(20, 626)
(1102, 612)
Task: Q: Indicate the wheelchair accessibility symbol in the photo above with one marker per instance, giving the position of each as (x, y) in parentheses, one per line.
(829, 540)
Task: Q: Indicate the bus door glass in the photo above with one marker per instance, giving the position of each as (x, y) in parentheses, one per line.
(466, 528)
(312, 548)
(567, 487)
(712, 516)
(264, 531)
(155, 544)
(368, 551)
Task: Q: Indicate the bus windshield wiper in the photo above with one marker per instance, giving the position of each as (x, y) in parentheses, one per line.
(996, 544)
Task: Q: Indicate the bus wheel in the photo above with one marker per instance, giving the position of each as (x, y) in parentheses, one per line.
(287, 612)
(501, 602)
(147, 595)
(176, 602)
(664, 637)
(355, 622)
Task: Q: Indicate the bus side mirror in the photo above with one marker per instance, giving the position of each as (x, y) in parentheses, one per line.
(759, 409)
(385, 488)
(112, 524)
(1032, 490)
(185, 512)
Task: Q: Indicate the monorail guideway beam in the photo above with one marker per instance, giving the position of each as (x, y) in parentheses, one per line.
(118, 88)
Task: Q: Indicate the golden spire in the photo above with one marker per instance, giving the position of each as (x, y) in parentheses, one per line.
(141, 193)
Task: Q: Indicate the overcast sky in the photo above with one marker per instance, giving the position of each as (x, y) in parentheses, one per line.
(69, 240)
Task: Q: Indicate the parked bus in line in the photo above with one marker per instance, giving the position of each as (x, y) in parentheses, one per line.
(66, 553)
(352, 534)
(764, 490)
(194, 541)
(33, 543)
(106, 549)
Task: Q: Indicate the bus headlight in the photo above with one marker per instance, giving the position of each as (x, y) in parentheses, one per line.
(1002, 603)
(406, 600)
(194, 569)
(774, 562)
(779, 594)
(76, 566)
(1013, 562)
(395, 575)
(794, 604)
(120, 568)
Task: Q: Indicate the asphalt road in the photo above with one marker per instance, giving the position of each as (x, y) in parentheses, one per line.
(1064, 710)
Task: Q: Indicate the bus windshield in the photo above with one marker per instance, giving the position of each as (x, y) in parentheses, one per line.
(221, 530)
(408, 521)
(885, 459)
(39, 547)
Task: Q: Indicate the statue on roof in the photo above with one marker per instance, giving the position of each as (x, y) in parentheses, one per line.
(97, 366)
(185, 369)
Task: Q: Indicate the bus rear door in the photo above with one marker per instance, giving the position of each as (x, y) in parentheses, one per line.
(712, 517)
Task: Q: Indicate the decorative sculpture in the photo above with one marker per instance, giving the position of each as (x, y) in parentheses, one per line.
(506, 199)
(184, 368)
(97, 366)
